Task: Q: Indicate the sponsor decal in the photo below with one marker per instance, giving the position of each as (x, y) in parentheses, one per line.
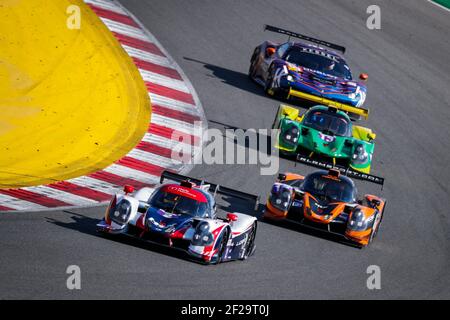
(161, 224)
(166, 214)
(348, 172)
(239, 243)
(326, 137)
(320, 53)
(178, 189)
(297, 203)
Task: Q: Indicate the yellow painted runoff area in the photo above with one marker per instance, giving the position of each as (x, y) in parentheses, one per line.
(71, 100)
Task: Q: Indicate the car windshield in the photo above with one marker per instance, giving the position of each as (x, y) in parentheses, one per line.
(336, 190)
(328, 123)
(174, 203)
(294, 183)
(325, 64)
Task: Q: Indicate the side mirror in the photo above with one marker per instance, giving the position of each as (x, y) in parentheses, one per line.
(232, 217)
(376, 202)
(364, 76)
(128, 189)
(305, 131)
(270, 51)
(371, 136)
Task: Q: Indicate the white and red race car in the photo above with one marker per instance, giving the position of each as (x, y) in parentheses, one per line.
(184, 216)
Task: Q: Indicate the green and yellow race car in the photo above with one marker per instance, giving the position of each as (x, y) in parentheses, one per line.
(328, 132)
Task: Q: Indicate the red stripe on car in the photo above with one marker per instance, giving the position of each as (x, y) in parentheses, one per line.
(185, 192)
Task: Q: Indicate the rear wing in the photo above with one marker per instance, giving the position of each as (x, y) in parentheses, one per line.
(330, 103)
(345, 171)
(217, 188)
(303, 37)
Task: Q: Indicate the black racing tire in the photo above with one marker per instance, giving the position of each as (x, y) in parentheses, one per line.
(251, 69)
(381, 220)
(269, 81)
(250, 246)
(373, 234)
(222, 246)
(276, 93)
(377, 229)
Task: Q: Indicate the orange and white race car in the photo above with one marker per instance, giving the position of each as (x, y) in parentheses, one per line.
(326, 200)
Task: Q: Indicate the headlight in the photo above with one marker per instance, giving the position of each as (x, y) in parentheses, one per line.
(358, 221)
(360, 155)
(290, 78)
(202, 235)
(281, 199)
(121, 212)
(290, 135)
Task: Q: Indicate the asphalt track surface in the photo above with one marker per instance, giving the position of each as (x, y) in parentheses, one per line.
(407, 61)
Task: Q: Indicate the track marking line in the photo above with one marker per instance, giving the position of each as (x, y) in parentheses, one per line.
(66, 197)
(156, 88)
(163, 80)
(173, 103)
(19, 204)
(96, 184)
(131, 173)
(120, 181)
(106, 4)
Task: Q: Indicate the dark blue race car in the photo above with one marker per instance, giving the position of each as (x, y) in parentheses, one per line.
(308, 71)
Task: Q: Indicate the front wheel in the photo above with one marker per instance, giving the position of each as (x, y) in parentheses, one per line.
(270, 87)
(253, 62)
(221, 248)
(250, 245)
(375, 232)
(377, 229)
